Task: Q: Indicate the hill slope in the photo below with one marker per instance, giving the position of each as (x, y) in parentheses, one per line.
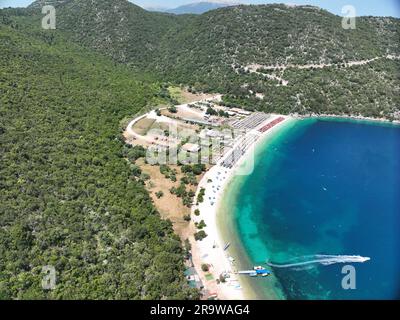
(222, 50)
(117, 28)
(276, 34)
(68, 198)
(264, 34)
(236, 50)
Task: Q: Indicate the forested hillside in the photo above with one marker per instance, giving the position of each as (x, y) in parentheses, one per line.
(217, 47)
(67, 196)
(212, 52)
(117, 28)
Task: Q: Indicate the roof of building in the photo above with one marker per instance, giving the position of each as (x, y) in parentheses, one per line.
(191, 147)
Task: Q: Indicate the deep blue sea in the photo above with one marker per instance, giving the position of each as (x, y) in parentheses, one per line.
(325, 187)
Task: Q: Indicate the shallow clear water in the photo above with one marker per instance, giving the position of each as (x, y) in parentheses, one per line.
(325, 187)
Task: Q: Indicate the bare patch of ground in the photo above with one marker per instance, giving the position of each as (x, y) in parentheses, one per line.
(183, 113)
(169, 205)
(181, 123)
(189, 97)
(182, 95)
(143, 126)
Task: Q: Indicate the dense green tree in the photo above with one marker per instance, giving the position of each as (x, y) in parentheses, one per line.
(68, 196)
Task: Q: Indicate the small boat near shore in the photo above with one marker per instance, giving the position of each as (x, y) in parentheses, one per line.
(257, 271)
(227, 245)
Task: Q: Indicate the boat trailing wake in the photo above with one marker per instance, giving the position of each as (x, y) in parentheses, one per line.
(319, 259)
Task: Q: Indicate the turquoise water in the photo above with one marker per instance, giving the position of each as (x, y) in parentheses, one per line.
(325, 187)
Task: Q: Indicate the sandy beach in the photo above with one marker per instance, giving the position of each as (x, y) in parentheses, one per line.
(211, 249)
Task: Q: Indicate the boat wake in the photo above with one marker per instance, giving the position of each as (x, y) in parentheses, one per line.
(319, 259)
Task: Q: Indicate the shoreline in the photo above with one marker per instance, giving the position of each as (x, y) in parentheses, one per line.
(229, 232)
(348, 117)
(211, 249)
(221, 234)
(221, 228)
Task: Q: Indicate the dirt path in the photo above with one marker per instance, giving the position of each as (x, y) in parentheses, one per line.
(252, 68)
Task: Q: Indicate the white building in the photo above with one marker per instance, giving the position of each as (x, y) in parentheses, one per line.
(191, 147)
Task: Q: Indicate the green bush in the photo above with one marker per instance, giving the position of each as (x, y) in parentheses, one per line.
(172, 109)
(159, 194)
(198, 236)
(201, 225)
